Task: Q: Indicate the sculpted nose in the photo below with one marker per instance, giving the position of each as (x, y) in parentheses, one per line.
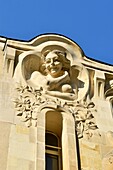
(52, 62)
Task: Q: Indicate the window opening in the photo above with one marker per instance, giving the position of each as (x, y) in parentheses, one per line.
(53, 152)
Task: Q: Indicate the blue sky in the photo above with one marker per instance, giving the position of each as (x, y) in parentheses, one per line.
(89, 23)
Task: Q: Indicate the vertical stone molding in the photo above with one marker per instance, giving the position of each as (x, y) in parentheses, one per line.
(69, 149)
(40, 141)
(8, 65)
(49, 89)
(99, 81)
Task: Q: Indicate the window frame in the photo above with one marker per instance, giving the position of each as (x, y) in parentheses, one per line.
(53, 152)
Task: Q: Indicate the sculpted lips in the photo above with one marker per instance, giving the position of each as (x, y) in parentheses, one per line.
(53, 69)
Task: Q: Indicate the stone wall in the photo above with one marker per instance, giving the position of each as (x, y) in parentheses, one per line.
(49, 85)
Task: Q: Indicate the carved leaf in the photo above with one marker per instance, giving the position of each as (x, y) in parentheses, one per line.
(90, 105)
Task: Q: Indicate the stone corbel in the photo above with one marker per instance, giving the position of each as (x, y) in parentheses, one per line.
(9, 56)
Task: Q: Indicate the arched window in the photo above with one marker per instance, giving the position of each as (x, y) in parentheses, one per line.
(53, 151)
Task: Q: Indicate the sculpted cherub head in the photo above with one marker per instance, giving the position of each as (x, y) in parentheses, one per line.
(55, 63)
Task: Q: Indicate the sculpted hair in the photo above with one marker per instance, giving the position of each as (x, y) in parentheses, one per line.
(62, 58)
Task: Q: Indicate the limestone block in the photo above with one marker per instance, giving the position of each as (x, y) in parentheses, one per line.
(1, 62)
(40, 150)
(107, 163)
(33, 135)
(6, 104)
(4, 143)
(40, 135)
(20, 164)
(40, 164)
(90, 156)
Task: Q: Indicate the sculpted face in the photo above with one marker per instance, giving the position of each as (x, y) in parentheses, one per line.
(53, 64)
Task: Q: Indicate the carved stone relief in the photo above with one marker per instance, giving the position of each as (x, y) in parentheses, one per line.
(30, 102)
(107, 163)
(55, 77)
(109, 91)
(84, 119)
(109, 138)
(52, 78)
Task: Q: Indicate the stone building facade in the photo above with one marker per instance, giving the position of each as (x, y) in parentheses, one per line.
(56, 106)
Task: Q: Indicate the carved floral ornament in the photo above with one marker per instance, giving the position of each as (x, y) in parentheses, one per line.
(107, 162)
(53, 78)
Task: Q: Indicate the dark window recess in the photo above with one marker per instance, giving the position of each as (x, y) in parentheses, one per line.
(52, 162)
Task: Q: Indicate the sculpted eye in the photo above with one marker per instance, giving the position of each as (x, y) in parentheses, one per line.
(48, 82)
(56, 60)
(48, 61)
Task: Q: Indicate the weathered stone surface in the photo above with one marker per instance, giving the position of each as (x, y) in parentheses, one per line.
(4, 143)
(49, 85)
